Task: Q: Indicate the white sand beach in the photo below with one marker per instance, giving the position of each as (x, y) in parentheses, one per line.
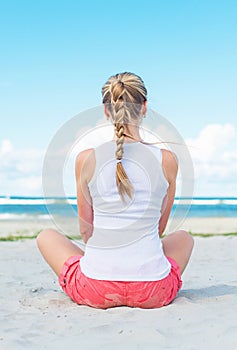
(36, 314)
(70, 226)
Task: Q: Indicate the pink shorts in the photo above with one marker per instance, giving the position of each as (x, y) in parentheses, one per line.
(106, 294)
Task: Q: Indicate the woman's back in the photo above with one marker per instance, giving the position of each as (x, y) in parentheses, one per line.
(124, 229)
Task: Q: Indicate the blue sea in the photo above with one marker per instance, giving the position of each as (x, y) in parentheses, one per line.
(23, 208)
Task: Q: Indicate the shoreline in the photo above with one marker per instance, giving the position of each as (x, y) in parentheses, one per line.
(20, 229)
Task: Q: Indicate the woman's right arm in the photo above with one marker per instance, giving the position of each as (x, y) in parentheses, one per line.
(170, 168)
(84, 171)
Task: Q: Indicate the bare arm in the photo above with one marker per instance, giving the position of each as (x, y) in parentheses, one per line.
(84, 169)
(170, 168)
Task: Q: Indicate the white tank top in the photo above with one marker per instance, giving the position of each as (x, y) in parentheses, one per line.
(125, 244)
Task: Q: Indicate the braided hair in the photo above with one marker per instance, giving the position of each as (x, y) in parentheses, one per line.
(123, 94)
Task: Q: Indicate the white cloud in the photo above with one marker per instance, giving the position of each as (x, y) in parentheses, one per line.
(6, 147)
(20, 170)
(214, 153)
(212, 142)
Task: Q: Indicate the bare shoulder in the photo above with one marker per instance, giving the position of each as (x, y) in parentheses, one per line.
(169, 157)
(85, 163)
(169, 164)
(84, 155)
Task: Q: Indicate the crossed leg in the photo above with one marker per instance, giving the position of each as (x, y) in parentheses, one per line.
(56, 248)
(179, 246)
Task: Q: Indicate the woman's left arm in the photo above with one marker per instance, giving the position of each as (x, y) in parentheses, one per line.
(84, 171)
(170, 168)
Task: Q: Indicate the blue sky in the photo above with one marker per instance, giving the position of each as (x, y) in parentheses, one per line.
(56, 55)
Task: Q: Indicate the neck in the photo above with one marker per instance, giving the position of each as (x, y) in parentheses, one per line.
(132, 134)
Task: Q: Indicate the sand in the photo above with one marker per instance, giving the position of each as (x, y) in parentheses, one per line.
(70, 226)
(36, 314)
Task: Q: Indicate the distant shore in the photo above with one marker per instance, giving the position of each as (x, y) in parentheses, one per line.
(17, 229)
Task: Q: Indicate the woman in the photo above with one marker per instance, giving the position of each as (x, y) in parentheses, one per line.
(125, 192)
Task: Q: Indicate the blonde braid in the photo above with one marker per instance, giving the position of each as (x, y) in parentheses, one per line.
(123, 184)
(119, 131)
(123, 94)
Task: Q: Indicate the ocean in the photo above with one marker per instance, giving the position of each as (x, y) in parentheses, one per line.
(24, 208)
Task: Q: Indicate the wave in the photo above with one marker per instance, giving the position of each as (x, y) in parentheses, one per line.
(12, 217)
(208, 201)
(73, 201)
(36, 201)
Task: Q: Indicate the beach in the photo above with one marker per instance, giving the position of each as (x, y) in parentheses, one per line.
(69, 226)
(108, 119)
(36, 314)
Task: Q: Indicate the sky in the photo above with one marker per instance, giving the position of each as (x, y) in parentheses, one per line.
(56, 55)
